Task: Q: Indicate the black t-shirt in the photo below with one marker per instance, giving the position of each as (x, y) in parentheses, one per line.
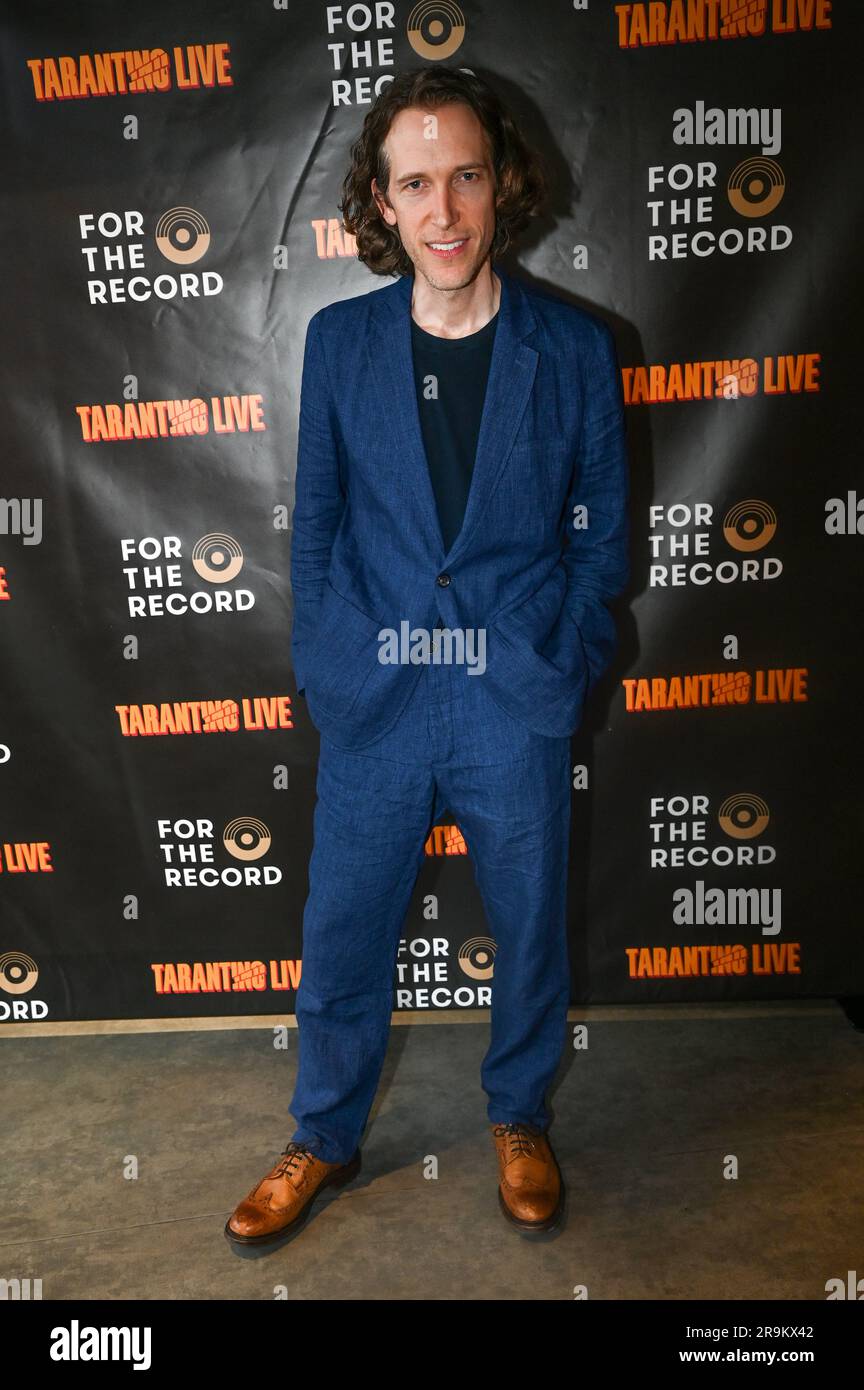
(450, 410)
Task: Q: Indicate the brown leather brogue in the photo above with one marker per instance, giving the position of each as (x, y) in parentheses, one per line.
(278, 1206)
(531, 1189)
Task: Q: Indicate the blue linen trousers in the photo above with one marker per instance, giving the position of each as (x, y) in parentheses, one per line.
(508, 790)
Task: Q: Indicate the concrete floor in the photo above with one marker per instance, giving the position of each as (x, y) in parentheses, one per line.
(645, 1120)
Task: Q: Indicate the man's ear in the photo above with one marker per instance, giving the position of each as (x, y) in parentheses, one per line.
(380, 201)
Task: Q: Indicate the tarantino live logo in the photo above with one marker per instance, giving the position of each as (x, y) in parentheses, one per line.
(158, 586)
(251, 715)
(124, 262)
(113, 423)
(224, 976)
(122, 71)
(693, 962)
(25, 856)
(698, 21)
(784, 685)
(727, 379)
(444, 840)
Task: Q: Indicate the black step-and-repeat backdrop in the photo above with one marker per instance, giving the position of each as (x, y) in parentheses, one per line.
(171, 183)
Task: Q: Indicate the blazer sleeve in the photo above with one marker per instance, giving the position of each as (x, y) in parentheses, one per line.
(596, 556)
(319, 500)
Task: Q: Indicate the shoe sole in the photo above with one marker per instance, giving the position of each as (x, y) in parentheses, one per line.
(250, 1247)
(549, 1223)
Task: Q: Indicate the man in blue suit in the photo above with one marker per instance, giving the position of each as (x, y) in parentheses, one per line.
(460, 524)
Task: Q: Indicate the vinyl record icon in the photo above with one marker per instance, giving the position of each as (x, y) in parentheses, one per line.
(182, 235)
(744, 815)
(756, 186)
(18, 972)
(217, 558)
(435, 29)
(246, 838)
(477, 957)
(750, 525)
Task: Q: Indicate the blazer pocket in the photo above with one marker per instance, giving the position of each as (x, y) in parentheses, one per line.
(544, 633)
(339, 661)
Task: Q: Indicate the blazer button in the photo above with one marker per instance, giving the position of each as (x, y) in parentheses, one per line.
(443, 580)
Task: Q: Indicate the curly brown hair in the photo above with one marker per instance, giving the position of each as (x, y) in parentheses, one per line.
(521, 183)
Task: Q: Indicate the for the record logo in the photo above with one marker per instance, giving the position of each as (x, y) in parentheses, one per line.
(683, 830)
(159, 584)
(113, 251)
(685, 536)
(18, 976)
(188, 848)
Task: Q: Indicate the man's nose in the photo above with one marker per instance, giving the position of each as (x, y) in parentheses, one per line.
(444, 214)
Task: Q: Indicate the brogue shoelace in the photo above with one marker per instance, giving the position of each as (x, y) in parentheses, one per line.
(520, 1140)
(295, 1154)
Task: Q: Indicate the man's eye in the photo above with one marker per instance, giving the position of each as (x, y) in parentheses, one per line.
(470, 174)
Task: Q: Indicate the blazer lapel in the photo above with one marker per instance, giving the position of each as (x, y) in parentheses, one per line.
(511, 376)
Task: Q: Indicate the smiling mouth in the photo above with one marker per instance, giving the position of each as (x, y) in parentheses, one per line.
(447, 248)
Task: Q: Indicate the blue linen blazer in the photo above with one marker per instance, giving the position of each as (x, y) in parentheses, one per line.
(366, 547)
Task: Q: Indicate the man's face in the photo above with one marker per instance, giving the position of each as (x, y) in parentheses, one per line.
(442, 189)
